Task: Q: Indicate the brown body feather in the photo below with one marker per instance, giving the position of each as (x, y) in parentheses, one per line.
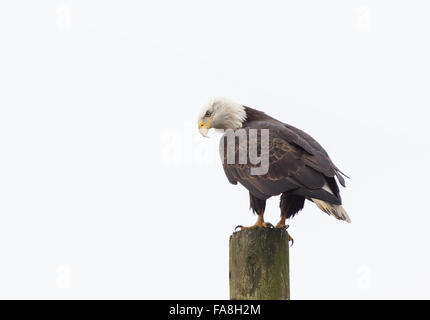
(299, 167)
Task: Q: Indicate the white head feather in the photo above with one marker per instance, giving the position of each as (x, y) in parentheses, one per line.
(225, 114)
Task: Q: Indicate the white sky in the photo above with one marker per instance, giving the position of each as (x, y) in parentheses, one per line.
(108, 191)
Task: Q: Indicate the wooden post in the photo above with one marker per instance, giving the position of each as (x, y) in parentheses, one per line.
(259, 265)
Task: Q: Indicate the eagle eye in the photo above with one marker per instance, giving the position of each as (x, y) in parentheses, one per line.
(207, 114)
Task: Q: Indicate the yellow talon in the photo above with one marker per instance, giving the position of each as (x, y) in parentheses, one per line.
(281, 225)
(259, 224)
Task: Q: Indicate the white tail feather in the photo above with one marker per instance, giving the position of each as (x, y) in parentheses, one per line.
(334, 210)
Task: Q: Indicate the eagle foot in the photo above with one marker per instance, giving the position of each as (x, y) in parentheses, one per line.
(284, 227)
(257, 225)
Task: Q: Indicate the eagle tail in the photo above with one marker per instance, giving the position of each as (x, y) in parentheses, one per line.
(334, 210)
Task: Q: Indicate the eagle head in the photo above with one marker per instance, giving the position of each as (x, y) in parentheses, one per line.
(222, 114)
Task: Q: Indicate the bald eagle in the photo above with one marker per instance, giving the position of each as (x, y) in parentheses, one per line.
(298, 169)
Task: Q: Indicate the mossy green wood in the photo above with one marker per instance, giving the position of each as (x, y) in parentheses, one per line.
(259, 265)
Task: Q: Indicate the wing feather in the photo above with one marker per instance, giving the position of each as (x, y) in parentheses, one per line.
(297, 163)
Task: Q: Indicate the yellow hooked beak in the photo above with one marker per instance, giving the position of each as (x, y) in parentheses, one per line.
(204, 127)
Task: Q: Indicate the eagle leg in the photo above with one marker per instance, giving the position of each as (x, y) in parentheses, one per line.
(290, 204)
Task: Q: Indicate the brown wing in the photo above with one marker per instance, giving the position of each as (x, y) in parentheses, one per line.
(293, 166)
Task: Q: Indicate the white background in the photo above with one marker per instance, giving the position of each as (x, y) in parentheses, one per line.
(108, 191)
